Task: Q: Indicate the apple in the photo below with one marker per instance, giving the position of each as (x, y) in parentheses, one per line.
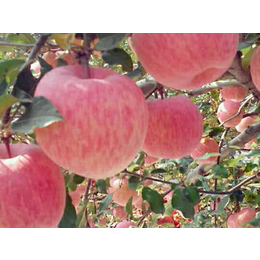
(185, 60)
(235, 93)
(32, 192)
(239, 219)
(150, 160)
(50, 58)
(106, 120)
(139, 201)
(207, 145)
(255, 68)
(119, 212)
(244, 123)
(175, 127)
(122, 194)
(226, 110)
(76, 195)
(249, 144)
(125, 224)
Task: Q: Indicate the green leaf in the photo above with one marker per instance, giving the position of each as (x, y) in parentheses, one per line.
(158, 171)
(23, 38)
(139, 159)
(254, 153)
(182, 203)
(221, 205)
(217, 130)
(155, 200)
(133, 182)
(39, 113)
(61, 62)
(108, 41)
(118, 56)
(8, 66)
(192, 194)
(207, 156)
(233, 162)
(129, 207)
(256, 221)
(220, 171)
(3, 87)
(250, 166)
(101, 186)
(69, 216)
(247, 57)
(22, 95)
(105, 202)
(45, 67)
(251, 38)
(26, 82)
(6, 101)
(78, 179)
(81, 218)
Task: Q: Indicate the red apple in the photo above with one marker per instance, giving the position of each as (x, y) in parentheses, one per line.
(185, 60)
(122, 194)
(244, 123)
(207, 145)
(255, 68)
(235, 93)
(32, 192)
(239, 219)
(119, 212)
(105, 122)
(139, 201)
(226, 110)
(175, 127)
(150, 160)
(125, 224)
(50, 58)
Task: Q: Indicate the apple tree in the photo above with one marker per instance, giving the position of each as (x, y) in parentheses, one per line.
(120, 130)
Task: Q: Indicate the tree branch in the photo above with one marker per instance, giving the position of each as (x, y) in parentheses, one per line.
(16, 44)
(34, 51)
(240, 140)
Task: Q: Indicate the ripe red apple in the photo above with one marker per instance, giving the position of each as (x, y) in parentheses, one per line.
(76, 195)
(226, 110)
(125, 224)
(185, 60)
(235, 93)
(138, 203)
(175, 127)
(119, 212)
(255, 68)
(32, 192)
(207, 145)
(237, 220)
(150, 160)
(122, 194)
(105, 124)
(244, 123)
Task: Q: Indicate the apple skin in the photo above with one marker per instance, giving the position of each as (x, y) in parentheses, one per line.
(122, 194)
(175, 127)
(226, 110)
(244, 123)
(208, 145)
(185, 60)
(106, 120)
(235, 93)
(119, 212)
(237, 220)
(150, 160)
(255, 68)
(139, 201)
(50, 58)
(125, 224)
(32, 191)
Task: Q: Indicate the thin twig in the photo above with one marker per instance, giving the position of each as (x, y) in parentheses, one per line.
(239, 110)
(34, 51)
(16, 44)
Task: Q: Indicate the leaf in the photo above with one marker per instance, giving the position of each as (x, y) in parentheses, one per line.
(103, 205)
(78, 179)
(118, 56)
(45, 67)
(220, 171)
(182, 203)
(206, 156)
(101, 186)
(129, 207)
(158, 171)
(81, 218)
(69, 216)
(9, 65)
(254, 153)
(23, 38)
(3, 87)
(221, 205)
(139, 159)
(40, 113)
(250, 166)
(148, 88)
(22, 95)
(251, 38)
(233, 162)
(6, 48)
(26, 82)
(247, 57)
(64, 40)
(216, 131)
(256, 221)
(108, 41)
(155, 200)
(6, 101)
(192, 194)
(133, 182)
(61, 62)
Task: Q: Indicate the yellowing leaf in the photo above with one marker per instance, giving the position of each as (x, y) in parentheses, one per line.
(5, 102)
(64, 40)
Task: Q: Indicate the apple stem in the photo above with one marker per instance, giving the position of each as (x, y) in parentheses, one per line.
(85, 59)
(7, 145)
